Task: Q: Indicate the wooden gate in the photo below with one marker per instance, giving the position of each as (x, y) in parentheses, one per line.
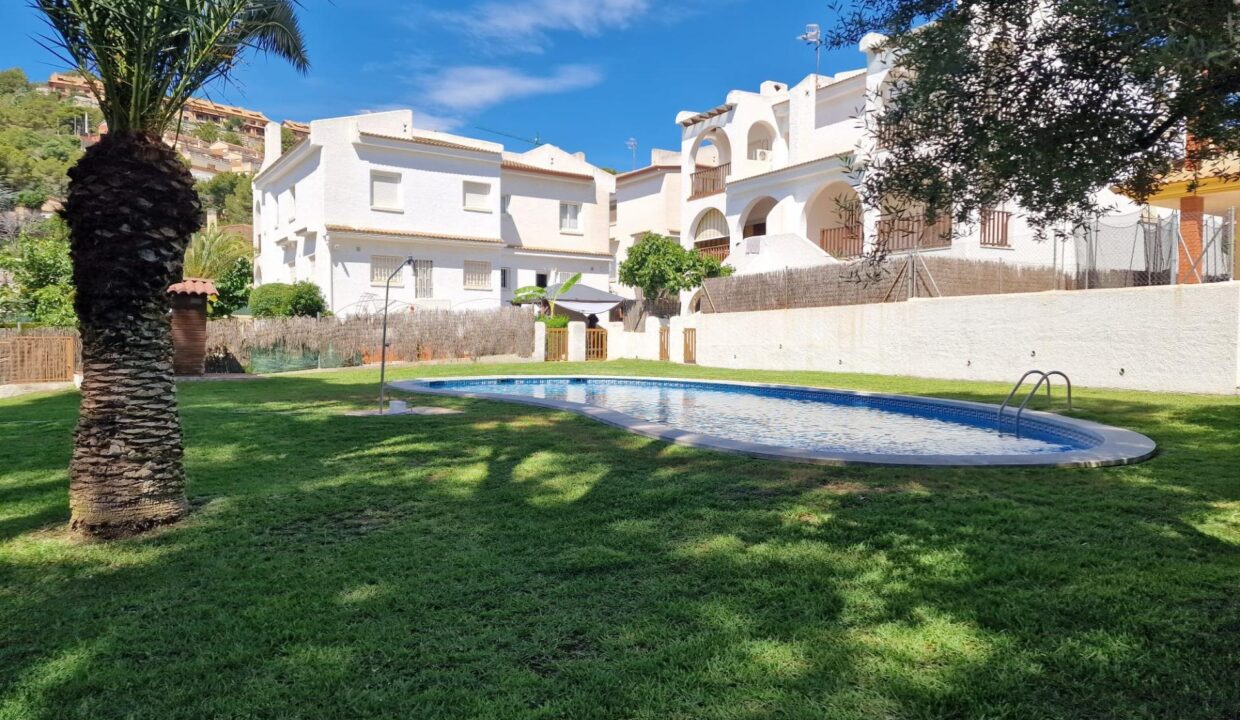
(691, 346)
(37, 359)
(665, 344)
(596, 344)
(557, 344)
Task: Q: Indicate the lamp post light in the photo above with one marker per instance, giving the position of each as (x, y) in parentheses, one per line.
(387, 291)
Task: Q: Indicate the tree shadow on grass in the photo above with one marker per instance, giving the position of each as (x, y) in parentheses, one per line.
(516, 562)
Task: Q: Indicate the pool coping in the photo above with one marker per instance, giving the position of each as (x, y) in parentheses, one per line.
(1118, 446)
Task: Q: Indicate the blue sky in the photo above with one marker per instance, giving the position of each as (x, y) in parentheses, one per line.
(582, 74)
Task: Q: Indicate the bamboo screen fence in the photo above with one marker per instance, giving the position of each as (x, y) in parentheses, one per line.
(38, 355)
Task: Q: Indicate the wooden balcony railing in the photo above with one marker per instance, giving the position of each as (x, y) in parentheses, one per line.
(913, 233)
(842, 242)
(718, 248)
(995, 228)
(710, 181)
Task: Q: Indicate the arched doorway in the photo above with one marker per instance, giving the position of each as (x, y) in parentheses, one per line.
(755, 221)
(712, 158)
(833, 220)
(711, 235)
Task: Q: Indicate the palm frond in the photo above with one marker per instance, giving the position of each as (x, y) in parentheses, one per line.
(212, 252)
(146, 58)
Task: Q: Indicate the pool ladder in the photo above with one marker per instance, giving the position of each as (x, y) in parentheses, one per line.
(1043, 378)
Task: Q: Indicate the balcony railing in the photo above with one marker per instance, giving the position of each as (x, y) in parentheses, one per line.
(718, 248)
(913, 233)
(995, 228)
(710, 181)
(842, 242)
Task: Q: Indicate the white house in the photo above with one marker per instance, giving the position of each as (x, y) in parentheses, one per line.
(770, 178)
(361, 194)
(647, 200)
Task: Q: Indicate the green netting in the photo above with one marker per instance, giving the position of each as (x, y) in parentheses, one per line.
(277, 360)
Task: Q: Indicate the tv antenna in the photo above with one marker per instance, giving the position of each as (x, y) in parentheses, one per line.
(813, 37)
(535, 141)
(631, 144)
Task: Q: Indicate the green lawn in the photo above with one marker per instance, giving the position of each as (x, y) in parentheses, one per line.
(512, 562)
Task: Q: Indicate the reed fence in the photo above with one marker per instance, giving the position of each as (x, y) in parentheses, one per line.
(420, 335)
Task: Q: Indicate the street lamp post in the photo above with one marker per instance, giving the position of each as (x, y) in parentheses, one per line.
(387, 291)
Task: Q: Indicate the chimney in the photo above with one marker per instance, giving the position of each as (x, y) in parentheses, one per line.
(271, 144)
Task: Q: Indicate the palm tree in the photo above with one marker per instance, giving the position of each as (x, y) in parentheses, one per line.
(213, 251)
(131, 210)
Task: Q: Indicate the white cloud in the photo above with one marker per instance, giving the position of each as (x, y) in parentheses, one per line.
(471, 88)
(523, 25)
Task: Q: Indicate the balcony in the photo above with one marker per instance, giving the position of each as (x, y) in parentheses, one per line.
(842, 242)
(897, 234)
(718, 248)
(710, 181)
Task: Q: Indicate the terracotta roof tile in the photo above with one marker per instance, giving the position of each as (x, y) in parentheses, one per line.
(193, 286)
(435, 142)
(523, 167)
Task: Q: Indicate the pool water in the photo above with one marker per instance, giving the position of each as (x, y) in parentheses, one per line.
(818, 420)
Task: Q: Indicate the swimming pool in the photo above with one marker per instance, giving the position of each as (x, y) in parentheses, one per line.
(813, 424)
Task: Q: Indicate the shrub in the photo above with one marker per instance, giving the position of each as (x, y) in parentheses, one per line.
(554, 321)
(307, 300)
(272, 300)
(302, 299)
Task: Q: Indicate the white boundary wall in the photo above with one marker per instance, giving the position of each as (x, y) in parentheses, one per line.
(1173, 339)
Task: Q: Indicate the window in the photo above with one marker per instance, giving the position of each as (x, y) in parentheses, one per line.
(504, 202)
(478, 196)
(503, 279)
(540, 280)
(477, 275)
(570, 216)
(382, 267)
(562, 276)
(422, 287)
(612, 207)
(385, 191)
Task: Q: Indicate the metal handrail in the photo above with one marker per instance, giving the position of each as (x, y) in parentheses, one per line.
(1043, 377)
(1023, 378)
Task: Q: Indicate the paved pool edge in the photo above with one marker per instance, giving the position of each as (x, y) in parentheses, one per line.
(1118, 446)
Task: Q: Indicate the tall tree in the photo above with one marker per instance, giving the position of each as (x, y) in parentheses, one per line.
(131, 209)
(1042, 102)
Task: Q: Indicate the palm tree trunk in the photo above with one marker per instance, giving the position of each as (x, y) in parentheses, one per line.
(131, 210)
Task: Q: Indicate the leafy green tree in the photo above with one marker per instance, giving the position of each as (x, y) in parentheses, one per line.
(207, 132)
(13, 81)
(131, 209)
(661, 267)
(42, 275)
(287, 139)
(230, 194)
(233, 288)
(1042, 102)
(232, 138)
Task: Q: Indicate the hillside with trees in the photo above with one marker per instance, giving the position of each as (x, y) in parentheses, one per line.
(39, 139)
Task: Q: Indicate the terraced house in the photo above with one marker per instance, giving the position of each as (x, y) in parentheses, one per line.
(348, 205)
(770, 180)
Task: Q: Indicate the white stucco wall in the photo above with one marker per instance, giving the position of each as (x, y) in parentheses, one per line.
(1173, 339)
(649, 201)
(331, 231)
